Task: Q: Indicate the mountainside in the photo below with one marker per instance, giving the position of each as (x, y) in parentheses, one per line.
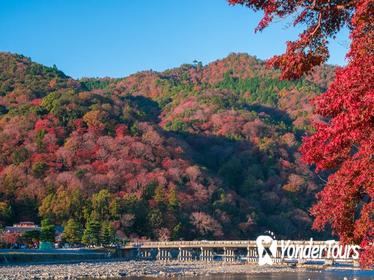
(192, 152)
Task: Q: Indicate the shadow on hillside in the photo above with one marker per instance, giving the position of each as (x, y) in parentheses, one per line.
(150, 109)
(275, 114)
(213, 151)
(253, 176)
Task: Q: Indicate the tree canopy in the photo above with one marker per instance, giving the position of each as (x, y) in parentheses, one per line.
(343, 141)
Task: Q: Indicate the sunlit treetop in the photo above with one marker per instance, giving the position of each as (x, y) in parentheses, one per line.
(322, 19)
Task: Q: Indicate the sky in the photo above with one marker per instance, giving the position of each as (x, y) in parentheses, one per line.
(115, 38)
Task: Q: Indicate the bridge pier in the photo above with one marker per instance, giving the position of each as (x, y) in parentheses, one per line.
(328, 262)
(278, 256)
(189, 250)
(147, 254)
(228, 255)
(206, 254)
(184, 255)
(163, 254)
(251, 254)
(301, 261)
(144, 254)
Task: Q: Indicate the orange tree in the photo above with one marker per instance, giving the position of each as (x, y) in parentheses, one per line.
(343, 141)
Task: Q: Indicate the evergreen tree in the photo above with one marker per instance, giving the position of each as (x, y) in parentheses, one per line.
(101, 205)
(5, 212)
(107, 233)
(91, 235)
(72, 232)
(47, 232)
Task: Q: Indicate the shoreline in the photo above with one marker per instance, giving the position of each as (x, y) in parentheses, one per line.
(118, 269)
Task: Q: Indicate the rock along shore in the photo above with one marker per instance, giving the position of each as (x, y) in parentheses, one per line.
(115, 269)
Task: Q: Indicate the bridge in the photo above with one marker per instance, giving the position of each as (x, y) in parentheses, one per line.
(226, 251)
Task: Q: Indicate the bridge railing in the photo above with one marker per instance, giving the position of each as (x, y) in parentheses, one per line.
(233, 250)
(206, 243)
(188, 243)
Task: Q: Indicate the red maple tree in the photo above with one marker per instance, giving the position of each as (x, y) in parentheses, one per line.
(344, 139)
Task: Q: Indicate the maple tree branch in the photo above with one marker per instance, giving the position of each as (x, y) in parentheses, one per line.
(314, 6)
(323, 180)
(318, 25)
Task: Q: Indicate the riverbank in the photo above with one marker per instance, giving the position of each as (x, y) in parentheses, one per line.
(115, 269)
(102, 270)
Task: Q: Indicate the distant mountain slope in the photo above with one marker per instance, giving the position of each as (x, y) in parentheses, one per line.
(192, 152)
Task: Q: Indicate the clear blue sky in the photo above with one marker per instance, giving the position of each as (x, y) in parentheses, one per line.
(96, 38)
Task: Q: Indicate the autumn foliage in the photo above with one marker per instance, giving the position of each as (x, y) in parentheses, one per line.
(343, 141)
(192, 152)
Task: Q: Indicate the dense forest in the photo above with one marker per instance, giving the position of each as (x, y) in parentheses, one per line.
(193, 152)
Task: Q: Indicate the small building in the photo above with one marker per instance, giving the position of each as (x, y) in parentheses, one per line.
(22, 227)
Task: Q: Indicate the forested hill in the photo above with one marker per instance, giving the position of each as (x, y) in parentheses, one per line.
(193, 152)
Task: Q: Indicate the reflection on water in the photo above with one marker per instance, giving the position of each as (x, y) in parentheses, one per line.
(333, 275)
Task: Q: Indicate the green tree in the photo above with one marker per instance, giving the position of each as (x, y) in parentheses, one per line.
(173, 201)
(176, 232)
(101, 203)
(62, 205)
(39, 138)
(38, 169)
(108, 233)
(5, 212)
(155, 218)
(139, 208)
(47, 232)
(91, 235)
(20, 155)
(114, 208)
(31, 237)
(159, 195)
(73, 232)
